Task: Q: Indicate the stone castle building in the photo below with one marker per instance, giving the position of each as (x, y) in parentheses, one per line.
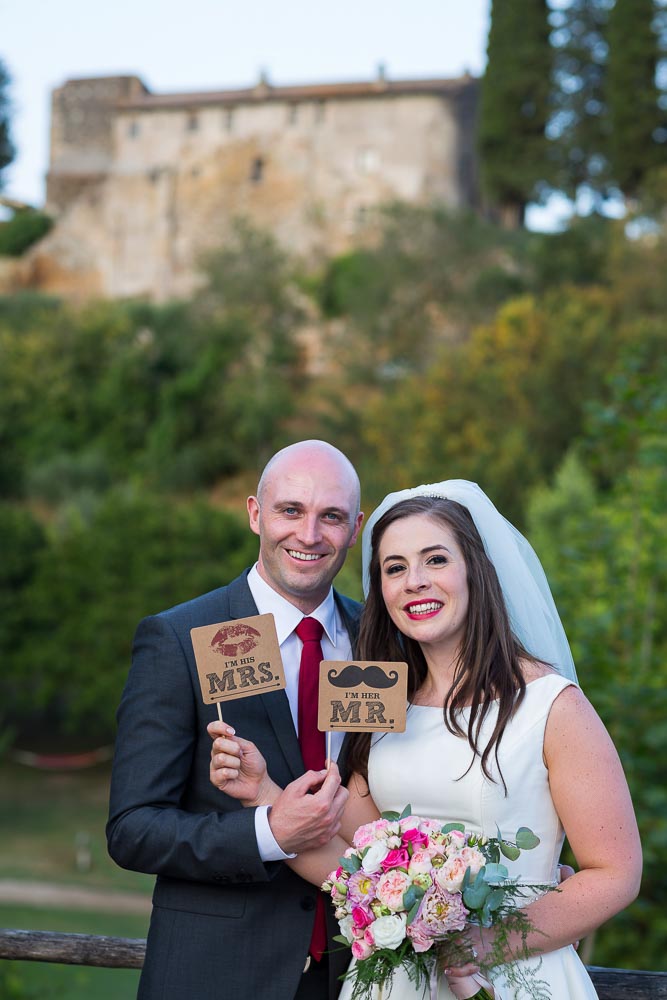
(140, 184)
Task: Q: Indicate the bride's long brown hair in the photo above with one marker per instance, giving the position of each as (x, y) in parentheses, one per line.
(488, 666)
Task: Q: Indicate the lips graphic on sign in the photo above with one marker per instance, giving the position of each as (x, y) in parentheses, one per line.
(243, 638)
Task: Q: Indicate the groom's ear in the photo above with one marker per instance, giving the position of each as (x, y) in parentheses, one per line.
(252, 505)
(357, 527)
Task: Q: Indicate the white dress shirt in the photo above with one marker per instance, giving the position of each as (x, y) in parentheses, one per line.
(336, 645)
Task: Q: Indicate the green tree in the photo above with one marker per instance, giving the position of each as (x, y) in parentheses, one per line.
(603, 553)
(7, 151)
(600, 532)
(23, 544)
(426, 277)
(235, 392)
(579, 125)
(638, 123)
(514, 106)
(105, 566)
(20, 232)
(500, 407)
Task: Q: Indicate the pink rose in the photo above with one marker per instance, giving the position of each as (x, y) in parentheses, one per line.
(369, 832)
(361, 917)
(415, 838)
(431, 826)
(361, 949)
(450, 876)
(456, 841)
(391, 887)
(420, 862)
(398, 858)
(473, 858)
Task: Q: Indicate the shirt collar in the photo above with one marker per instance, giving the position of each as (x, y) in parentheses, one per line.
(286, 616)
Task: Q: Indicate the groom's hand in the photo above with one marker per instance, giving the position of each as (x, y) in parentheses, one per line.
(237, 767)
(307, 813)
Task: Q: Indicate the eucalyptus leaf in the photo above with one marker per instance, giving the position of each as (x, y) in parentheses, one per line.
(413, 911)
(510, 851)
(390, 815)
(495, 899)
(413, 894)
(351, 864)
(526, 839)
(475, 895)
(494, 873)
(448, 827)
(406, 812)
(486, 916)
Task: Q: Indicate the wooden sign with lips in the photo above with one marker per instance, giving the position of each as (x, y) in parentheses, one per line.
(366, 696)
(237, 659)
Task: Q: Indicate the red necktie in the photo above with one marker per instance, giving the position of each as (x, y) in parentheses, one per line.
(311, 740)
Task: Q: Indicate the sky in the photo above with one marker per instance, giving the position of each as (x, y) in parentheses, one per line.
(182, 45)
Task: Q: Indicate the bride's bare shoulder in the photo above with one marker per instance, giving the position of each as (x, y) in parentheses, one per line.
(533, 669)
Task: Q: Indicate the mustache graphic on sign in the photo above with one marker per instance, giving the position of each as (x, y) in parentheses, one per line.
(352, 698)
(353, 675)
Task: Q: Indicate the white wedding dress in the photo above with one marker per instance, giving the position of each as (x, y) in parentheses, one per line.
(420, 767)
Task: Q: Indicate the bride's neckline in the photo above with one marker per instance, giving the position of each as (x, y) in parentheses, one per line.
(464, 708)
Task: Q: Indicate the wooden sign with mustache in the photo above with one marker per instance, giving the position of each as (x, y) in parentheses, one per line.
(238, 658)
(366, 696)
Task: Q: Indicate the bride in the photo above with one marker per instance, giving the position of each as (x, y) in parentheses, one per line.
(498, 733)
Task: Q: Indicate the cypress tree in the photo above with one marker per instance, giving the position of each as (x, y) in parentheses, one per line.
(513, 106)
(579, 127)
(6, 145)
(638, 124)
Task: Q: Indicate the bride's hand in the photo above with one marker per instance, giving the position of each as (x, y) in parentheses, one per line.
(237, 767)
(465, 980)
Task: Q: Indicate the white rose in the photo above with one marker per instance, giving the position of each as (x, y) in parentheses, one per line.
(346, 925)
(374, 857)
(388, 932)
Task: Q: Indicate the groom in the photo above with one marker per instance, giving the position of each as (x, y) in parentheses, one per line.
(229, 918)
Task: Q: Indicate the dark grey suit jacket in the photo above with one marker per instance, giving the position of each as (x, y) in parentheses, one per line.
(224, 923)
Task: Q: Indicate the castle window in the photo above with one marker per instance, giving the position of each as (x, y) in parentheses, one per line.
(229, 119)
(292, 114)
(257, 170)
(133, 129)
(192, 123)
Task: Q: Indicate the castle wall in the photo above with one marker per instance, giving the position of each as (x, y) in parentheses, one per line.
(146, 187)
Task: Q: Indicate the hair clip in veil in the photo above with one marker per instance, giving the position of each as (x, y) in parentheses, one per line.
(528, 599)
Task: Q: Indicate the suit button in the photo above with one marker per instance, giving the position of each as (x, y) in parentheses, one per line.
(308, 903)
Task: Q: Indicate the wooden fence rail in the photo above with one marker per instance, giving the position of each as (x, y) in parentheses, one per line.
(128, 953)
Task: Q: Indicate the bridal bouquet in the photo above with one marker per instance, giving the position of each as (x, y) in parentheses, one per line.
(409, 886)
